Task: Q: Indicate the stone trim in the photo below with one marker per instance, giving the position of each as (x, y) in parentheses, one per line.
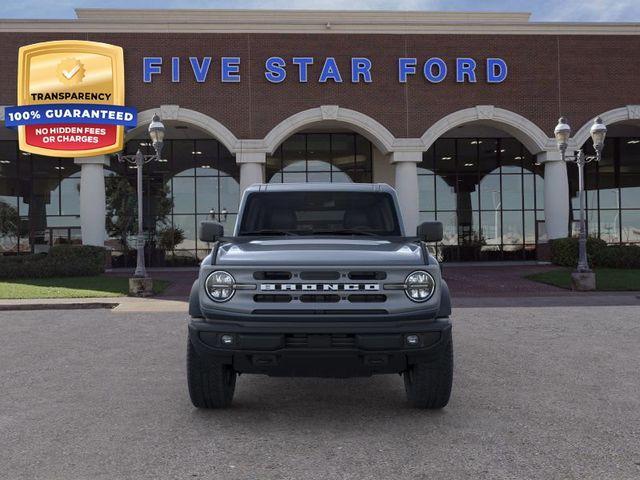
(301, 21)
(628, 112)
(532, 136)
(358, 122)
(200, 120)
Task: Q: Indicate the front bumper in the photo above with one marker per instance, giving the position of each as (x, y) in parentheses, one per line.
(320, 349)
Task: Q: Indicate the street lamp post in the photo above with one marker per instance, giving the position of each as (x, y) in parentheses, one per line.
(562, 133)
(156, 133)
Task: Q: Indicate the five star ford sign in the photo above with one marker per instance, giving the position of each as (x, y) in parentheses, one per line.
(71, 99)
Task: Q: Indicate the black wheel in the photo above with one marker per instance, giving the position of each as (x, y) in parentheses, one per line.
(212, 383)
(428, 384)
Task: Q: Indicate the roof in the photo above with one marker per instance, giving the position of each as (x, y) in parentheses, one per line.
(310, 21)
(320, 187)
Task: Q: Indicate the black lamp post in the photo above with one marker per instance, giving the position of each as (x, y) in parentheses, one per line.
(156, 133)
(562, 133)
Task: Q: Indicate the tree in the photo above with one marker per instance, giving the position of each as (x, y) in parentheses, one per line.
(122, 208)
(9, 221)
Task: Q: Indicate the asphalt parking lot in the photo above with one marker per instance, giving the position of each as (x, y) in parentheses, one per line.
(538, 393)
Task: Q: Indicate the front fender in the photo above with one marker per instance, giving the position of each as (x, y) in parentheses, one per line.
(194, 300)
(445, 301)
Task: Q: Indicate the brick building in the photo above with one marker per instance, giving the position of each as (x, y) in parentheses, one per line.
(456, 110)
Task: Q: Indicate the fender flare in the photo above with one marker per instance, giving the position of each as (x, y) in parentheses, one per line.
(445, 301)
(194, 300)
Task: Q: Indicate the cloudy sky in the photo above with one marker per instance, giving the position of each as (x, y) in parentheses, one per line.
(542, 10)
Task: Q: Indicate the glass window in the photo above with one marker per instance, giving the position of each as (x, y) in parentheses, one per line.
(630, 190)
(8, 159)
(445, 156)
(321, 157)
(488, 156)
(609, 225)
(294, 153)
(188, 225)
(512, 228)
(511, 155)
(333, 213)
(183, 190)
(70, 196)
(319, 152)
(182, 160)
(490, 198)
(512, 192)
(206, 195)
(631, 226)
(427, 192)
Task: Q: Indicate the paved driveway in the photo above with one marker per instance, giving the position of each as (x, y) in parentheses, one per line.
(538, 393)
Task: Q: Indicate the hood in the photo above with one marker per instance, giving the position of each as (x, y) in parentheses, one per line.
(320, 251)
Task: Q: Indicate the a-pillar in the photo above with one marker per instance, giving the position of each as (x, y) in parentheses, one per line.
(556, 194)
(406, 184)
(251, 168)
(92, 199)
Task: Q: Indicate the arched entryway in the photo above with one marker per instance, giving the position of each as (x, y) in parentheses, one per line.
(612, 185)
(39, 199)
(197, 179)
(481, 178)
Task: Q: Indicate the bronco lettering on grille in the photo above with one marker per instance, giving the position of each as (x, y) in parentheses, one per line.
(324, 287)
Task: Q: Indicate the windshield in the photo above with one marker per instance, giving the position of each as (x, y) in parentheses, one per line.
(320, 213)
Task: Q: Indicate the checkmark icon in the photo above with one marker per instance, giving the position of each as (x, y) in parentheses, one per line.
(71, 73)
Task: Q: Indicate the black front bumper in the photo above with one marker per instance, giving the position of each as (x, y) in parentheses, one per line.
(320, 349)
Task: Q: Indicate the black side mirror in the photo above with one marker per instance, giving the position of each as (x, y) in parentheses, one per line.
(430, 231)
(210, 231)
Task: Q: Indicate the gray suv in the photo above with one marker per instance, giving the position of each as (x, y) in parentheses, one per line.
(319, 280)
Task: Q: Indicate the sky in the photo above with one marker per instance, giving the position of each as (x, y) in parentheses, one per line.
(542, 10)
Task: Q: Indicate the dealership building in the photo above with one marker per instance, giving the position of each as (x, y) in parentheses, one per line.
(455, 110)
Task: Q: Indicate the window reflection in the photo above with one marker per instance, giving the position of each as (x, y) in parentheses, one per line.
(485, 192)
(321, 157)
(612, 191)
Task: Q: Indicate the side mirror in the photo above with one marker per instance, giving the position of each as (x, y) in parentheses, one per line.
(210, 231)
(430, 231)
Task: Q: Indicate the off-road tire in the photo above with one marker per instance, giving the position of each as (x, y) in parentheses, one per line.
(428, 384)
(212, 383)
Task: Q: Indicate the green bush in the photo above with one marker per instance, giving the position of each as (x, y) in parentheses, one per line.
(564, 252)
(618, 256)
(61, 261)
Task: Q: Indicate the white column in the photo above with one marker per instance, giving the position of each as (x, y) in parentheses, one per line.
(406, 184)
(93, 208)
(251, 168)
(556, 194)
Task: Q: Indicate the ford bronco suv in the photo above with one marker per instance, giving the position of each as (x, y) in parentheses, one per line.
(319, 280)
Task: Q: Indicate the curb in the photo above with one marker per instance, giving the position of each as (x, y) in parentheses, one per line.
(57, 306)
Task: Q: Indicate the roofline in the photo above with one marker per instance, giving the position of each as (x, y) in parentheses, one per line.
(320, 187)
(310, 21)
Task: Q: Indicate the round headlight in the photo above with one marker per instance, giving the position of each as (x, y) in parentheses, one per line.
(220, 286)
(419, 286)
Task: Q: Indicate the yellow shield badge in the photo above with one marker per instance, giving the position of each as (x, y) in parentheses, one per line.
(71, 99)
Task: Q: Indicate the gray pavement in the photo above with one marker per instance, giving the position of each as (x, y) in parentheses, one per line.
(548, 393)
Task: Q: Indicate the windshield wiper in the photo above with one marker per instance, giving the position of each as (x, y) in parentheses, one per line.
(269, 231)
(346, 231)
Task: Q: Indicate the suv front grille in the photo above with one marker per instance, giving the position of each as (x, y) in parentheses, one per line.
(320, 341)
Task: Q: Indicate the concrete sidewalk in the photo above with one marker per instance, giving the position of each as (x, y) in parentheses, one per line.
(180, 304)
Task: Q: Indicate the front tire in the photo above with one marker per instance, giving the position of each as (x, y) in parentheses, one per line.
(211, 384)
(428, 384)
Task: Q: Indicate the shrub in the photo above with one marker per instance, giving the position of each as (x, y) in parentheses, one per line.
(61, 261)
(169, 237)
(618, 256)
(564, 252)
